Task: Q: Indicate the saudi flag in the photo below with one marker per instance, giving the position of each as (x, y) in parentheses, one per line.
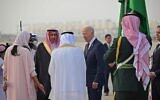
(139, 7)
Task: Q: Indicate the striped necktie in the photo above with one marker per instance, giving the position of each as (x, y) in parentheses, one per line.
(86, 48)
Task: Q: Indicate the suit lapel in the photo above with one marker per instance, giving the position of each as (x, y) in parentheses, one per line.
(91, 47)
(155, 52)
(156, 49)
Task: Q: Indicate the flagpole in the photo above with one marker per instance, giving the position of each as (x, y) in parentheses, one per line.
(125, 6)
(20, 25)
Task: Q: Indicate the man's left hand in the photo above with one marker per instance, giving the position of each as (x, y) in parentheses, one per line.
(94, 85)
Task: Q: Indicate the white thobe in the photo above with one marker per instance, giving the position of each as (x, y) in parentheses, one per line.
(2, 94)
(67, 71)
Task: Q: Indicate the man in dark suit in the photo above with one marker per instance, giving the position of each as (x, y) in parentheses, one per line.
(109, 68)
(155, 71)
(94, 51)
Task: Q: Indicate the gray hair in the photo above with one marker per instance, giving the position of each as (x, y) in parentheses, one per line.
(89, 28)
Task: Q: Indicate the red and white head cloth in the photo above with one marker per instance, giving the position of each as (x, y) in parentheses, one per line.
(48, 42)
(130, 25)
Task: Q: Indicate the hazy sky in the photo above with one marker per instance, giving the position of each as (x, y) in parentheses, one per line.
(39, 11)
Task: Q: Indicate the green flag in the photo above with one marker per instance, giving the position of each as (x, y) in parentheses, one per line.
(139, 7)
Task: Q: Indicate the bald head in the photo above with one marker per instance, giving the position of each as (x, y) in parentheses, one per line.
(88, 33)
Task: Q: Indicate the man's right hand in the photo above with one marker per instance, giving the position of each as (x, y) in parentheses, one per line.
(38, 85)
(94, 85)
(152, 75)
